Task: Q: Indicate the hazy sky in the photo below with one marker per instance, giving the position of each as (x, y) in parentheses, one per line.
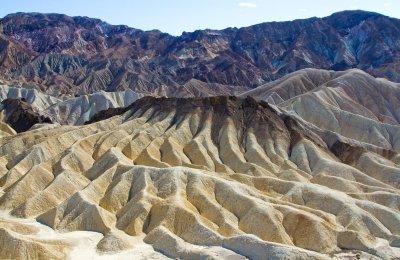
(175, 16)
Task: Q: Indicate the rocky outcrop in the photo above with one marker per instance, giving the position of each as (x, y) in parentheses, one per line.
(67, 55)
(20, 115)
(218, 177)
(105, 114)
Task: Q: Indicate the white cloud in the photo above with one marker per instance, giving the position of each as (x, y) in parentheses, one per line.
(387, 4)
(247, 5)
(303, 10)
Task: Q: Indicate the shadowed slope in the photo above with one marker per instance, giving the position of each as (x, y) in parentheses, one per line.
(20, 115)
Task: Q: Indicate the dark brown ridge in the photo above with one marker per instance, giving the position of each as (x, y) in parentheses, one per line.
(21, 116)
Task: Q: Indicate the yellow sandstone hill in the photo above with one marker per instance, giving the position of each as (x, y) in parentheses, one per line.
(198, 178)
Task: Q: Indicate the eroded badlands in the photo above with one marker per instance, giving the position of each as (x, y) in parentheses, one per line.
(219, 177)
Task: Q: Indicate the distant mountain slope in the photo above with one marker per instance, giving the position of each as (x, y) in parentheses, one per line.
(32, 96)
(352, 90)
(349, 103)
(62, 54)
(72, 111)
(76, 111)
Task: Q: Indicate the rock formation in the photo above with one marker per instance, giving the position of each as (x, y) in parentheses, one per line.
(218, 177)
(20, 115)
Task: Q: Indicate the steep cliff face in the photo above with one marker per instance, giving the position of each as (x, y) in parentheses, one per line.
(62, 54)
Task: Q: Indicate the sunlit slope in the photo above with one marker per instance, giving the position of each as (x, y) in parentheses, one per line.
(214, 177)
(350, 103)
(78, 110)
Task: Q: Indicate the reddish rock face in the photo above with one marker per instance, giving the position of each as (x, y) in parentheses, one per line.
(78, 54)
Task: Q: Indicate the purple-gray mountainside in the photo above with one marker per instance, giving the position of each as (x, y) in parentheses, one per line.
(59, 54)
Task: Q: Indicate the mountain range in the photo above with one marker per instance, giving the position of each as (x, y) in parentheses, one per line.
(64, 55)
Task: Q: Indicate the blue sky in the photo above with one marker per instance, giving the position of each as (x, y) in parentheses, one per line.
(176, 16)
